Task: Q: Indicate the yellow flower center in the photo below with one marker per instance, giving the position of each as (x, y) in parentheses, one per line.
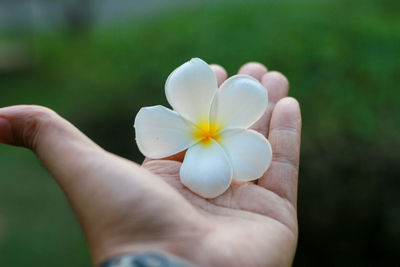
(207, 131)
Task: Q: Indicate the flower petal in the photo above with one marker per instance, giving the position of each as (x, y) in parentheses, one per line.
(190, 90)
(239, 103)
(161, 132)
(248, 151)
(206, 170)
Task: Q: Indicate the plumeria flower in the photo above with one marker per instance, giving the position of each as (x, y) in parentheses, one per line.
(212, 124)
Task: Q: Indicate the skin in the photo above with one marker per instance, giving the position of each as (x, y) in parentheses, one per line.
(124, 207)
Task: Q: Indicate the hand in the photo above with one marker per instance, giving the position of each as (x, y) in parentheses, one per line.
(124, 208)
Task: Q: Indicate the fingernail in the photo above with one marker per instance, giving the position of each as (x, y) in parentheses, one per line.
(6, 136)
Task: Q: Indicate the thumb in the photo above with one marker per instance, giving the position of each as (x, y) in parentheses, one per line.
(54, 140)
(31, 126)
(79, 166)
(88, 175)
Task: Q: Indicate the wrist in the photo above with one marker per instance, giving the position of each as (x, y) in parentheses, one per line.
(145, 259)
(101, 256)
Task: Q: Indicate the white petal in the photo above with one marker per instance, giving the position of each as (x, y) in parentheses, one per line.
(190, 90)
(161, 132)
(206, 170)
(239, 103)
(249, 153)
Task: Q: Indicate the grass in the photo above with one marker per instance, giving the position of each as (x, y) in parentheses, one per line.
(340, 58)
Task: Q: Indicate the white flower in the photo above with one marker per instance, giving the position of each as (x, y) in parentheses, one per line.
(211, 124)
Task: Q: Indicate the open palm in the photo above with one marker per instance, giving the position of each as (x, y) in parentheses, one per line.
(123, 207)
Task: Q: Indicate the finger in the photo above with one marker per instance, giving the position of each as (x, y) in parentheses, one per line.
(277, 86)
(220, 72)
(221, 75)
(63, 149)
(78, 165)
(28, 126)
(284, 137)
(254, 69)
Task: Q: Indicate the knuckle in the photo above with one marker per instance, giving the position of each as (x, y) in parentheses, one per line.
(37, 118)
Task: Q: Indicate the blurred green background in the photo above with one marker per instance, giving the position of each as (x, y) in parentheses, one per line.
(342, 60)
